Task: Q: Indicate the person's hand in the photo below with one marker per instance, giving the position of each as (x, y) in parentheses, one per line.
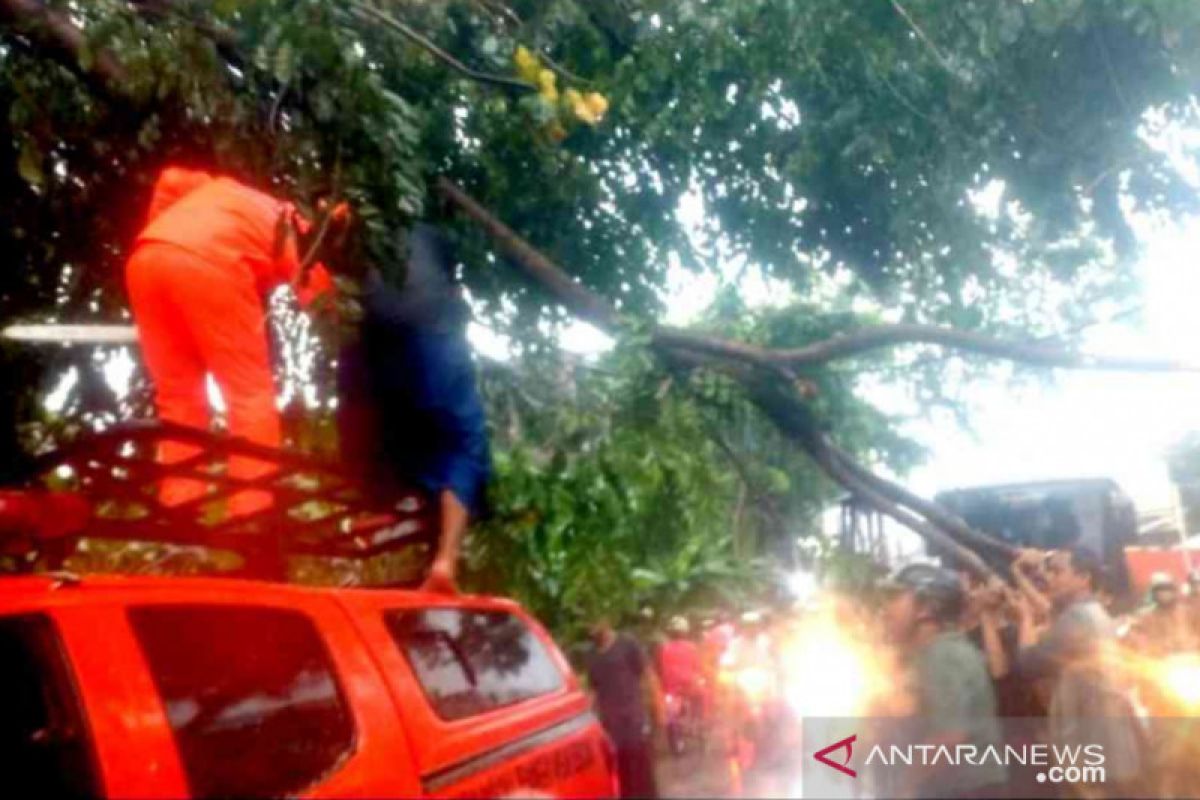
(440, 579)
(1021, 606)
(1029, 560)
(660, 718)
(992, 597)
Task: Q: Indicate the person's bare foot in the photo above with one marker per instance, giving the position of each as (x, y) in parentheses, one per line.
(440, 579)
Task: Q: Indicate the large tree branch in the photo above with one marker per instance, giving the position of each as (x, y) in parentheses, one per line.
(579, 300)
(55, 32)
(773, 396)
(876, 337)
(852, 482)
(584, 303)
(1038, 353)
(791, 416)
(931, 511)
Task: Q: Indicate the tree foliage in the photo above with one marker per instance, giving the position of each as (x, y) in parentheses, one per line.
(620, 488)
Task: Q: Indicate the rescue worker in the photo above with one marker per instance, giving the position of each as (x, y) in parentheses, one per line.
(211, 251)
(409, 411)
(953, 702)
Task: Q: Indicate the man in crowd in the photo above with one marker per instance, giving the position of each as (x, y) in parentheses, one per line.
(952, 698)
(1089, 703)
(211, 251)
(409, 409)
(624, 688)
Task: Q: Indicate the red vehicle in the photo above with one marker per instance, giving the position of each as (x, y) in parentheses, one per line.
(128, 686)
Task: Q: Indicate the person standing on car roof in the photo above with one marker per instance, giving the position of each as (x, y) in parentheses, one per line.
(211, 251)
(624, 685)
(409, 410)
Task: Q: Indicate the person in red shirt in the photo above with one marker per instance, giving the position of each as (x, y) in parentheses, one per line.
(682, 672)
(211, 251)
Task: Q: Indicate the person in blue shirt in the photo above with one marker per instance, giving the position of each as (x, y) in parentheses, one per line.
(409, 409)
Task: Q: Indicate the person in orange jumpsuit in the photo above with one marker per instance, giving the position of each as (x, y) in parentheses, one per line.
(211, 251)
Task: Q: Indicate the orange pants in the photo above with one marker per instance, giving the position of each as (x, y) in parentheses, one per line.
(194, 318)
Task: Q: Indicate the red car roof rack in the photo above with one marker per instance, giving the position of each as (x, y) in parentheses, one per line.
(317, 510)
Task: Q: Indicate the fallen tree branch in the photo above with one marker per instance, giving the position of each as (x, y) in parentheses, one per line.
(774, 397)
(1038, 353)
(851, 481)
(582, 302)
(793, 419)
(931, 511)
(876, 337)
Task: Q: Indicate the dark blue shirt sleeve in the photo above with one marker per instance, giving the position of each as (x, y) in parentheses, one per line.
(463, 464)
(423, 380)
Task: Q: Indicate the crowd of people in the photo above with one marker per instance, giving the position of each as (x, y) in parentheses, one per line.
(1046, 658)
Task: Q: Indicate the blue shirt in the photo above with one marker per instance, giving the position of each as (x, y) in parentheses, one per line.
(409, 410)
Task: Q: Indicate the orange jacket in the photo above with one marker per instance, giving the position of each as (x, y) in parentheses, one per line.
(230, 225)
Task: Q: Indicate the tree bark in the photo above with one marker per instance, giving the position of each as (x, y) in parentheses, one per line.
(931, 511)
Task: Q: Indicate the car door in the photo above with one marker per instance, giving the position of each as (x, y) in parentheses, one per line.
(262, 692)
(491, 705)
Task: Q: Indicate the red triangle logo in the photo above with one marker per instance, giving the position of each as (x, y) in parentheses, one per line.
(846, 744)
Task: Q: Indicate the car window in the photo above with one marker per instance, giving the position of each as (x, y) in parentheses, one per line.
(471, 662)
(45, 749)
(251, 696)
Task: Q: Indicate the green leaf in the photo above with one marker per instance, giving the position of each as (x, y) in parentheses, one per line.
(283, 62)
(86, 56)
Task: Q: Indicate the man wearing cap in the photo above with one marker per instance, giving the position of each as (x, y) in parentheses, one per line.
(952, 699)
(409, 410)
(1164, 627)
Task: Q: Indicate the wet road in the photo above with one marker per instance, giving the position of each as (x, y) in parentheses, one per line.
(696, 775)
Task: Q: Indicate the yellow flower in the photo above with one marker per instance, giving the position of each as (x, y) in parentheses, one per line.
(527, 63)
(598, 103)
(589, 108)
(547, 81)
